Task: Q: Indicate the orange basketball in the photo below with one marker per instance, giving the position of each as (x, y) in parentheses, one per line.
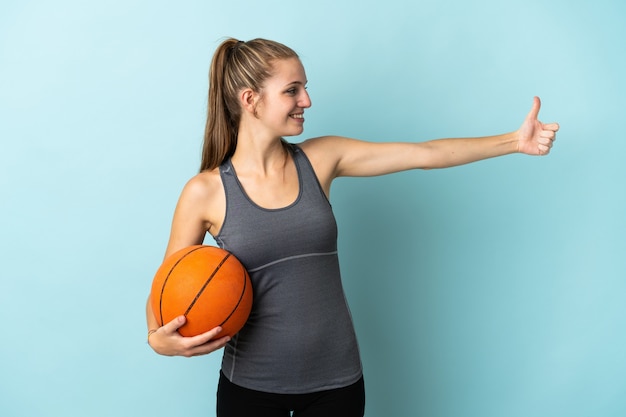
(206, 284)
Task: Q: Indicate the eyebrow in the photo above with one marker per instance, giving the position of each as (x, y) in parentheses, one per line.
(298, 83)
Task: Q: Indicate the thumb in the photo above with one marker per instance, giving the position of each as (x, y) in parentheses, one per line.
(534, 111)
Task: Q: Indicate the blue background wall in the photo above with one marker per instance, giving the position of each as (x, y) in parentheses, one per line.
(495, 289)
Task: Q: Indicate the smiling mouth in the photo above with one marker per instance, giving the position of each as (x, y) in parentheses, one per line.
(297, 116)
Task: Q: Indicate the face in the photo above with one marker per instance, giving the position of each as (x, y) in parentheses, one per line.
(284, 98)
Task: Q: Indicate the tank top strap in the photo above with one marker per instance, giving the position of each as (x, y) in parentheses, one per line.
(308, 177)
(228, 175)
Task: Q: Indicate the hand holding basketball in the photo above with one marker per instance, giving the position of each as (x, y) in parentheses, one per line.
(167, 341)
(201, 296)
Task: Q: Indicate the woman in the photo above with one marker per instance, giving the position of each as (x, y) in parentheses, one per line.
(266, 201)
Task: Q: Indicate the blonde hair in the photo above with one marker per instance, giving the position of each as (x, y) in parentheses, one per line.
(236, 65)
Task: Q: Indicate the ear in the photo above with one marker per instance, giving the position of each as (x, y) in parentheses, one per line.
(248, 100)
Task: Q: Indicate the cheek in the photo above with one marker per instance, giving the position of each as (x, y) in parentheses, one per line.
(274, 108)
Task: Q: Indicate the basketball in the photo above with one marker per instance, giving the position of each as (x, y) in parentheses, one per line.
(206, 284)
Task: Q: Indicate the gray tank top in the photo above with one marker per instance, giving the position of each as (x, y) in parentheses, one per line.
(300, 337)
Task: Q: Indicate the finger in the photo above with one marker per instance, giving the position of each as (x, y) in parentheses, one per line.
(544, 141)
(543, 149)
(204, 340)
(203, 343)
(534, 111)
(551, 126)
(205, 337)
(175, 324)
(208, 347)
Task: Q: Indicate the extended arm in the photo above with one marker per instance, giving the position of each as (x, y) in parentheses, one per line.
(335, 156)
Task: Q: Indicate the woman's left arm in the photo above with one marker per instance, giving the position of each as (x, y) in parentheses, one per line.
(348, 157)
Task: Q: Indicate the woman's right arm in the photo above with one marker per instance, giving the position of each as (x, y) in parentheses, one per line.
(200, 208)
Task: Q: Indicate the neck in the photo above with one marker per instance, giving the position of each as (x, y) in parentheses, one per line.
(263, 156)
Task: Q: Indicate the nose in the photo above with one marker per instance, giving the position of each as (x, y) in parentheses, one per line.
(305, 100)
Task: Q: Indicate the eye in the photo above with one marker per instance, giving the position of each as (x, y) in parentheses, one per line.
(293, 91)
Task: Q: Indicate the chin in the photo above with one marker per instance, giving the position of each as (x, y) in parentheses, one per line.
(294, 133)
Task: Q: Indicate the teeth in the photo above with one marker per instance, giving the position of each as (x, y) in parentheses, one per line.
(298, 116)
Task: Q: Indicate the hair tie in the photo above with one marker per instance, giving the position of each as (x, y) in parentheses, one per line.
(235, 47)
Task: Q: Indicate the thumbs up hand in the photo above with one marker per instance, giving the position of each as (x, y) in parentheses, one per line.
(536, 138)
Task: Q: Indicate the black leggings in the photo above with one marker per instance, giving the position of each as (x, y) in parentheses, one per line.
(236, 401)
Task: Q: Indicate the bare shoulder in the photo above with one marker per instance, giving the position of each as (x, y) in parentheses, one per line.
(203, 186)
(203, 201)
(324, 154)
(327, 150)
(335, 155)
